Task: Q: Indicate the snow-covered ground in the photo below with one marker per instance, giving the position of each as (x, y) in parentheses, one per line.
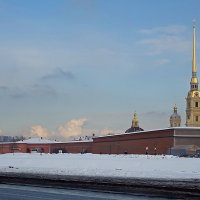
(140, 166)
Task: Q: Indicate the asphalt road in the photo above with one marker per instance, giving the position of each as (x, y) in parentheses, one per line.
(17, 192)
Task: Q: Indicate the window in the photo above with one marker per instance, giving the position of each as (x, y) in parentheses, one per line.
(196, 104)
(197, 118)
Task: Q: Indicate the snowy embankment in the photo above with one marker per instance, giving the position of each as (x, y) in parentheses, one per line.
(126, 166)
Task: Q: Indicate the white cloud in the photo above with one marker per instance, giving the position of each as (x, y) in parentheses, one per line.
(166, 43)
(72, 128)
(69, 130)
(38, 131)
(173, 29)
(165, 40)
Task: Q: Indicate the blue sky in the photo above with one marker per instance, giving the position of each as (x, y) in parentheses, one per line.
(86, 65)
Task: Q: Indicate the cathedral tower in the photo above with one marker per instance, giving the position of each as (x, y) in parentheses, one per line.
(193, 97)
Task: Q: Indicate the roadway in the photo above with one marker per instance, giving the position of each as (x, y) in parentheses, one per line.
(17, 192)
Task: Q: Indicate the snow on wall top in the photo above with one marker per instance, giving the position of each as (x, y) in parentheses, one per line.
(37, 141)
(46, 141)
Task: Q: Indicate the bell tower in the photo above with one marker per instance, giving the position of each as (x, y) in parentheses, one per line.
(193, 97)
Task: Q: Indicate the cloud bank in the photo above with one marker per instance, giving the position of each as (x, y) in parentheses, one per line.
(69, 129)
(72, 129)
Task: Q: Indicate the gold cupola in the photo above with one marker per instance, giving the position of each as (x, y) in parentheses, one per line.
(135, 121)
(135, 125)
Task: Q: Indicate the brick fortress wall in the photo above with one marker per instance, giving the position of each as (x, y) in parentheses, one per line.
(156, 141)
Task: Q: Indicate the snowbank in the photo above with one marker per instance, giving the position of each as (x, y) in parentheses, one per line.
(130, 166)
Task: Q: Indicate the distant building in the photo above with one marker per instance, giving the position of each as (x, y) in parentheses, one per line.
(175, 118)
(135, 125)
(4, 138)
(193, 97)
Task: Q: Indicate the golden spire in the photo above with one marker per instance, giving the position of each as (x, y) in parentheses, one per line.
(135, 121)
(194, 67)
(194, 79)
